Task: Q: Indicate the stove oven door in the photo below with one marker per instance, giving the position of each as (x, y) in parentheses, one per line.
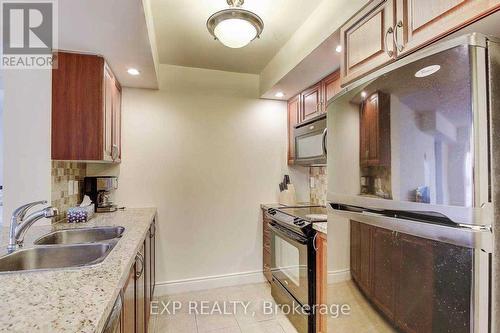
(289, 262)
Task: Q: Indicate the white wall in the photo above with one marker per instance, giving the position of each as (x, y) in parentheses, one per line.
(207, 153)
(26, 137)
(1, 132)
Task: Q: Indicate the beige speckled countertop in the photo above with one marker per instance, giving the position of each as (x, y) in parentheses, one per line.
(71, 300)
(321, 227)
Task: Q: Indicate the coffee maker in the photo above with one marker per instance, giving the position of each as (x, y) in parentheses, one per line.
(101, 191)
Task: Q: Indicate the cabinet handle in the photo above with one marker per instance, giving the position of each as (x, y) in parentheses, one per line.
(141, 259)
(314, 242)
(114, 152)
(390, 53)
(153, 230)
(399, 47)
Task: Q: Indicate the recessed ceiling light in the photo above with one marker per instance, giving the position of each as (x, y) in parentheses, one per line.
(363, 94)
(280, 94)
(133, 71)
(235, 27)
(338, 48)
(426, 71)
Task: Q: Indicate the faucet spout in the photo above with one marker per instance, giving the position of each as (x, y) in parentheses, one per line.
(20, 224)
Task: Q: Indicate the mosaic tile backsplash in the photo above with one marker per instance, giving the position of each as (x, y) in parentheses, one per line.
(62, 174)
(318, 192)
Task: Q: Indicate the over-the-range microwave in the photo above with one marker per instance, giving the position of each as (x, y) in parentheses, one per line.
(310, 142)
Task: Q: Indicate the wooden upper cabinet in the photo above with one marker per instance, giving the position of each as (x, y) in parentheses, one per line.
(375, 145)
(311, 102)
(86, 109)
(420, 22)
(293, 119)
(331, 87)
(367, 40)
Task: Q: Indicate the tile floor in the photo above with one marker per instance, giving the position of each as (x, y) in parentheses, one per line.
(362, 318)
(235, 320)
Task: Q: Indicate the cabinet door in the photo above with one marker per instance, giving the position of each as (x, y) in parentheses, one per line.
(375, 131)
(153, 257)
(355, 250)
(116, 151)
(414, 295)
(420, 22)
(385, 255)
(293, 119)
(331, 87)
(109, 89)
(147, 276)
(321, 279)
(266, 251)
(311, 102)
(128, 313)
(140, 292)
(367, 40)
(365, 255)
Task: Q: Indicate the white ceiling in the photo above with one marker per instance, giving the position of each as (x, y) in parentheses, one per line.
(115, 29)
(183, 39)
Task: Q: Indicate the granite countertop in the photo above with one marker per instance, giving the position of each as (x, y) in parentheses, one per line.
(321, 227)
(77, 299)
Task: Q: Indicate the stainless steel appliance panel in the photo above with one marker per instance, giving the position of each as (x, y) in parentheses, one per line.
(311, 142)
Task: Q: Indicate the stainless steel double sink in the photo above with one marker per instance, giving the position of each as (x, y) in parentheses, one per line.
(67, 248)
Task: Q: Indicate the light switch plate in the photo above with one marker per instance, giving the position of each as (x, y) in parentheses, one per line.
(312, 182)
(76, 186)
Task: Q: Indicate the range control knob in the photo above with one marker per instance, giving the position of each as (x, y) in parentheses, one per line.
(271, 211)
(298, 222)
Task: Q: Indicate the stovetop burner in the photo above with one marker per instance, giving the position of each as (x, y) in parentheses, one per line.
(298, 219)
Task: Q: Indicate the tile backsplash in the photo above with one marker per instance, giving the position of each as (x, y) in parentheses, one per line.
(62, 174)
(318, 175)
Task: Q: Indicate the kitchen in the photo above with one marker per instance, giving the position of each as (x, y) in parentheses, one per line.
(204, 138)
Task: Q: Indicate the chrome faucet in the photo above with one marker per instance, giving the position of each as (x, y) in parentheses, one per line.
(20, 223)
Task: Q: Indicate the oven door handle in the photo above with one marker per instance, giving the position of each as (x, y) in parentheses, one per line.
(287, 234)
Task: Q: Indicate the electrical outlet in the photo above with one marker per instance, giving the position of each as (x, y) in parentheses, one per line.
(71, 188)
(76, 186)
(312, 182)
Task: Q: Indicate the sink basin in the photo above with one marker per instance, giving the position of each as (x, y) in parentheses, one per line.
(81, 235)
(52, 257)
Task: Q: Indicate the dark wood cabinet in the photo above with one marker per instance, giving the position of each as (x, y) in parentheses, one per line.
(266, 248)
(375, 131)
(311, 102)
(293, 119)
(385, 259)
(414, 306)
(403, 278)
(86, 109)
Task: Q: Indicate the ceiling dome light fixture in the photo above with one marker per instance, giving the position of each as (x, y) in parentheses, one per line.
(235, 27)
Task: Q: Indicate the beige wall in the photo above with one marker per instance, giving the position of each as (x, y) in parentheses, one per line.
(26, 137)
(206, 152)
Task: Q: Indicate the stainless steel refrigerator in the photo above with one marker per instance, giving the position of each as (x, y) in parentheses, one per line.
(413, 190)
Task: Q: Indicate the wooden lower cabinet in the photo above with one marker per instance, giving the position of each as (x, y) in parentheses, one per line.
(397, 274)
(385, 257)
(413, 305)
(128, 314)
(266, 248)
(138, 290)
(321, 280)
